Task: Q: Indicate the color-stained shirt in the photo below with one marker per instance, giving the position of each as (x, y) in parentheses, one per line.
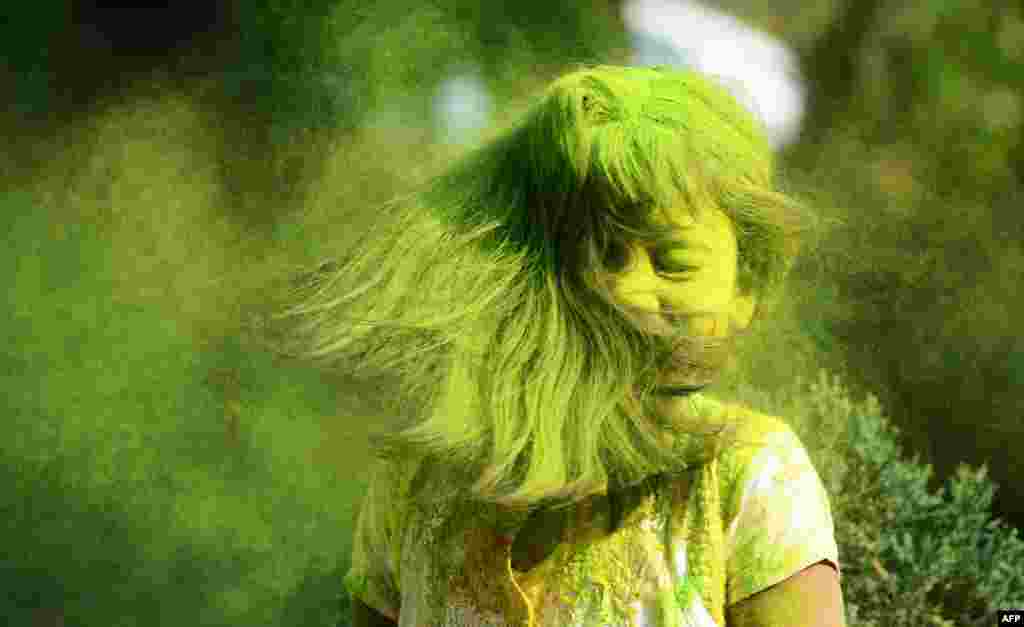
(709, 537)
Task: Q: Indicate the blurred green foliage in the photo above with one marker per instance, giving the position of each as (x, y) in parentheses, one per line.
(924, 165)
(329, 64)
(26, 32)
(141, 490)
(171, 456)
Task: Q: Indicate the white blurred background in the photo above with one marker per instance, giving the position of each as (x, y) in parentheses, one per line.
(759, 70)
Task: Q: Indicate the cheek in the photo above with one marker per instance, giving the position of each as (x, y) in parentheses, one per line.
(711, 301)
(723, 275)
(719, 286)
(708, 294)
(710, 325)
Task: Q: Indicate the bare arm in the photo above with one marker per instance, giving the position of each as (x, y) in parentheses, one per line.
(810, 598)
(365, 616)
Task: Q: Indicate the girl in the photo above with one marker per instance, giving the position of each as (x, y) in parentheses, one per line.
(553, 305)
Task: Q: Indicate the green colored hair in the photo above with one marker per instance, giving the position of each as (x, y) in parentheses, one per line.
(488, 291)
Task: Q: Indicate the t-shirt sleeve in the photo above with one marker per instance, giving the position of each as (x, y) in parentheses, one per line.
(783, 520)
(373, 576)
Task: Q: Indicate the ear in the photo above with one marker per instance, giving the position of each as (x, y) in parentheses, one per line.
(744, 308)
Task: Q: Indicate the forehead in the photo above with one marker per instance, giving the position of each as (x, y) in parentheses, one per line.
(706, 232)
(701, 222)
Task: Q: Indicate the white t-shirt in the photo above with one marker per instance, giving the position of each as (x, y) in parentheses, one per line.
(449, 567)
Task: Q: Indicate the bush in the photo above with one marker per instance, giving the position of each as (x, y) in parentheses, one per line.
(909, 556)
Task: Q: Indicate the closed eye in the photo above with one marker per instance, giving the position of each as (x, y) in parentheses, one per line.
(678, 276)
(673, 260)
(667, 267)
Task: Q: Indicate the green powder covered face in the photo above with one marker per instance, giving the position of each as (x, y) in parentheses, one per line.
(695, 278)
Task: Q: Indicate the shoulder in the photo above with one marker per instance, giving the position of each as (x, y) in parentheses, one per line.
(755, 427)
(776, 508)
(758, 442)
(752, 432)
(385, 506)
(392, 479)
(748, 432)
(747, 437)
(745, 427)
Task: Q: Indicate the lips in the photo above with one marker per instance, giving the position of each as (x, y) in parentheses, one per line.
(678, 390)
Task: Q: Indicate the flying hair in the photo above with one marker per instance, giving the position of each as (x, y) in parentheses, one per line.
(488, 292)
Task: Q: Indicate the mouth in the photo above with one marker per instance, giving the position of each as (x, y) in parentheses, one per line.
(678, 390)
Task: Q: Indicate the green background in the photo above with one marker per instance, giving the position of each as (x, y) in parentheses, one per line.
(165, 467)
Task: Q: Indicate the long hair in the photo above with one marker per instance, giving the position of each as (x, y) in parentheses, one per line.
(488, 291)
